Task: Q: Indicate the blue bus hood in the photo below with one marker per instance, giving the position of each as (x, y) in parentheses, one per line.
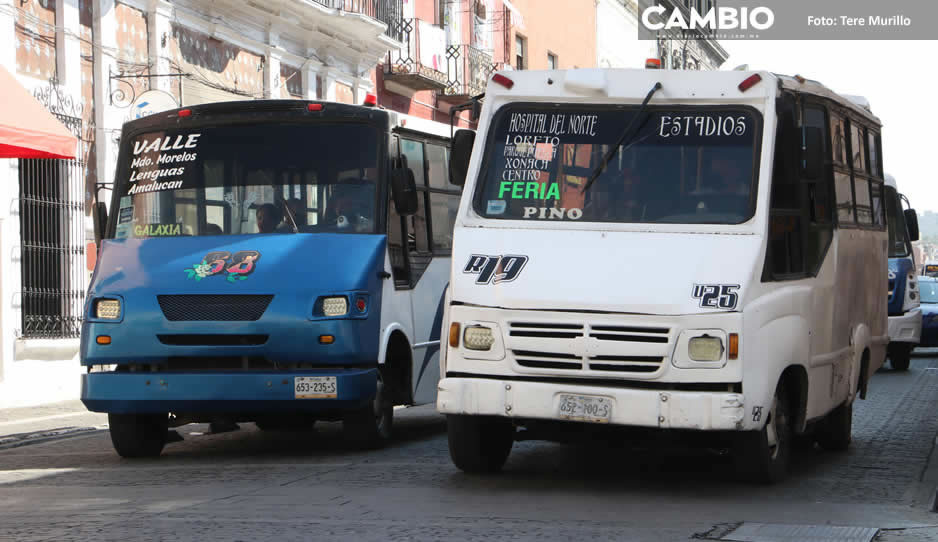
(293, 269)
(313, 263)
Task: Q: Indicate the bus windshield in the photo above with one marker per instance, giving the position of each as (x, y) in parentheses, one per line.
(687, 165)
(898, 236)
(248, 179)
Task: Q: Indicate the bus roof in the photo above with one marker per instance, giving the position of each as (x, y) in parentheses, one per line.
(592, 84)
(891, 181)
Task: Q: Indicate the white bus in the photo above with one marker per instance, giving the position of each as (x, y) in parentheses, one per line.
(678, 250)
(905, 313)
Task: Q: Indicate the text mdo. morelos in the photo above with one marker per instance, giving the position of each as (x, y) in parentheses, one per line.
(869, 20)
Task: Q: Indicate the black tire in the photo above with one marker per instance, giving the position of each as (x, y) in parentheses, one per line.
(371, 427)
(138, 435)
(479, 444)
(900, 355)
(763, 456)
(836, 431)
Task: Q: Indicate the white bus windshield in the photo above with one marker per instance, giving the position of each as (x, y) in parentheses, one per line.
(249, 179)
(895, 221)
(686, 165)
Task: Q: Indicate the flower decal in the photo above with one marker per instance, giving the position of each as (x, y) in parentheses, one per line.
(235, 268)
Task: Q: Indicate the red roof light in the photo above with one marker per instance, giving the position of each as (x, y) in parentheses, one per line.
(370, 100)
(749, 82)
(503, 81)
(653, 63)
(185, 113)
(314, 107)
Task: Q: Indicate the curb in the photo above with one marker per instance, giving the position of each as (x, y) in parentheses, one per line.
(26, 439)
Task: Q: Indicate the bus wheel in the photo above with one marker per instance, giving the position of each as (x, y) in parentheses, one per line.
(763, 456)
(370, 427)
(479, 444)
(138, 435)
(835, 433)
(900, 355)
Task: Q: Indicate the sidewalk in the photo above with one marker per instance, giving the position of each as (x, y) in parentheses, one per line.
(30, 425)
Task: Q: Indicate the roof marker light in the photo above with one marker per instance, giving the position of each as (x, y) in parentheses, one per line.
(314, 107)
(185, 113)
(749, 82)
(652, 64)
(503, 81)
(370, 100)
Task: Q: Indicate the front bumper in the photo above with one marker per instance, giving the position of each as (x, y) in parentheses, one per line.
(631, 407)
(220, 392)
(906, 328)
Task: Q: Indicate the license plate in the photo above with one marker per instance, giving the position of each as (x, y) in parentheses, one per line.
(315, 387)
(585, 408)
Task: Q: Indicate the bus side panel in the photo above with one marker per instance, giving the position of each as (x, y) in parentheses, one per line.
(427, 302)
(776, 336)
(396, 312)
(859, 305)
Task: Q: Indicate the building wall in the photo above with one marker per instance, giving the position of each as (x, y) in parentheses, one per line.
(566, 28)
(617, 43)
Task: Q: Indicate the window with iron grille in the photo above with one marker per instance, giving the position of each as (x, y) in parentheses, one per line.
(52, 244)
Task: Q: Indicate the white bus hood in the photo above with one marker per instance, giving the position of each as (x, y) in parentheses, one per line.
(611, 271)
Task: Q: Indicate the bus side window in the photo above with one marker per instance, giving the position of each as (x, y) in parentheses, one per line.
(819, 227)
(444, 200)
(396, 229)
(843, 186)
(785, 255)
(861, 181)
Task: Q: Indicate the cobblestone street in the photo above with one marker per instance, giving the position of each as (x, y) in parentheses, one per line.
(251, 485)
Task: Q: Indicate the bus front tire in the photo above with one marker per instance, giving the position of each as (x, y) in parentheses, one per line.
(900, 355)
(370, 427)
(138, 435)
(478, 444)
(763, 456)
(835, 433)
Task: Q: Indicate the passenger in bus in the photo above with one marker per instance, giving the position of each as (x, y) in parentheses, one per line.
(268, 216)
(352, 207)
(727, 177)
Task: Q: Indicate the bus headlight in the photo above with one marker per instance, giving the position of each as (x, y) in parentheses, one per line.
(107, 309)
(705, 348)
(478, 338)
(334, 306)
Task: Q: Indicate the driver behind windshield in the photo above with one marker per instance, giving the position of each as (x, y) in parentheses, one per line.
(268, 216)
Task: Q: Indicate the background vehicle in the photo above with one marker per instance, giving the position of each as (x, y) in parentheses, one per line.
(928, 286)
(713, 261)
(905, 317)
(931, 269)
(269, 261)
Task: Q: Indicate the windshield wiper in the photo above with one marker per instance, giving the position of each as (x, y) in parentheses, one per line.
(626, 136)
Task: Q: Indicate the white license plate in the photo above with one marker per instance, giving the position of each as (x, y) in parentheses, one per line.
(585, 408)
(315, 387)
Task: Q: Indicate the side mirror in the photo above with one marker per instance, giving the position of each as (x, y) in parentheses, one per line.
(404, 191)
(812, 153)
(476, 111)
(911, 224)
(99, 216)
(460, 152)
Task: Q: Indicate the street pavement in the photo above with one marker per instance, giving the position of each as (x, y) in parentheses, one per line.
(254, 485)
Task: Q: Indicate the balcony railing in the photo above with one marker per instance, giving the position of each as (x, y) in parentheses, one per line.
(387, 11)
(420, 64)
(468, 70)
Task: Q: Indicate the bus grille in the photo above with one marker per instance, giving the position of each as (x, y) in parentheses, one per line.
(213, 308)
(586, 349)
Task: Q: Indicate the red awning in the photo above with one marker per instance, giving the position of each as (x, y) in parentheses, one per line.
(27, 129)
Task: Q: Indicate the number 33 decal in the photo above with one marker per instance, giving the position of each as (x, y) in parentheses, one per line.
(717, 296)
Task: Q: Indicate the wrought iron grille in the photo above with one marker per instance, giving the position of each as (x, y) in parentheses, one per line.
(468, 70)
(52, 241)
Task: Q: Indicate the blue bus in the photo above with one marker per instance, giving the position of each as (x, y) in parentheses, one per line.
(278, 262)
(905, 315)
